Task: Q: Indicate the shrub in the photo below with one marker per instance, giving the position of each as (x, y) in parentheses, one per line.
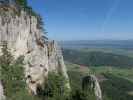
(12, 76)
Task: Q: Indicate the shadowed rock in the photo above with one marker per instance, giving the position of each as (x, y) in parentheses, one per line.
(91, 83)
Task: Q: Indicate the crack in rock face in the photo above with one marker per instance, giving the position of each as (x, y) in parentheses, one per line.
(36, 70)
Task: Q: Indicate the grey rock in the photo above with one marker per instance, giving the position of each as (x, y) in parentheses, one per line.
(91, 81)
(24, 38)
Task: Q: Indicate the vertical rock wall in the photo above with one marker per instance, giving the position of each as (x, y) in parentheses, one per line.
(24, 38)
(56, 62)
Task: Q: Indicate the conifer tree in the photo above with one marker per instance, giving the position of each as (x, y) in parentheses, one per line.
(12, 74)
(22, 3)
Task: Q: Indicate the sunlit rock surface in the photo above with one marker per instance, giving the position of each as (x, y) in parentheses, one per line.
(2, 97)
(91, 82)
(25, 38)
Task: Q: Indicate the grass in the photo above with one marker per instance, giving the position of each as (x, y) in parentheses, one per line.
(117, 80)
(97, 58)
(120, 72)
(116, 88)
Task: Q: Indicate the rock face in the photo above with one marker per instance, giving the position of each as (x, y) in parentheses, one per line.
(56, 62)
(91, 81)
(25, 38)
(2, 97)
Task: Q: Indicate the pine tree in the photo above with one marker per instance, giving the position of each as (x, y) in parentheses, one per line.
(54, 88)
(22, 3)
(12, 74)
(40, 25)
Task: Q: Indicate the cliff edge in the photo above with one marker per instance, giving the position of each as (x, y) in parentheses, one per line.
(24, 38)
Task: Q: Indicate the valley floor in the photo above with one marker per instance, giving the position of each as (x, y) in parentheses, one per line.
(116, 83)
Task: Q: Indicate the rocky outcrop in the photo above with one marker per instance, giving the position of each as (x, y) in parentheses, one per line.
(2, 97)
(56, 62)
(91, 82)
(25, 38)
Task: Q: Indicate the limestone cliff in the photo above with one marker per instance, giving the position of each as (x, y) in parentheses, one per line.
(91, 82)
(25, 38)
(2, 97)
(97, 88)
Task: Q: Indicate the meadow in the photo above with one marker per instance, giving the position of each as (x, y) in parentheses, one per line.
(115, 78)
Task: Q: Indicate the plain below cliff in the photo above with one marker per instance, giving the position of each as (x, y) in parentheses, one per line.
(112, 80)
(97, 58)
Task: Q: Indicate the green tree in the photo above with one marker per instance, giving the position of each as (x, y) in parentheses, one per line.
(40, 23)
(12, 75)
(54, 87)
(22, 3)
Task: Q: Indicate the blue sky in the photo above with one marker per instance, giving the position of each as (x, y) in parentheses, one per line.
(86, 19)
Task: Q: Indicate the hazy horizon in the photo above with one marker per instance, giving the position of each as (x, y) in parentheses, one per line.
(101, 40)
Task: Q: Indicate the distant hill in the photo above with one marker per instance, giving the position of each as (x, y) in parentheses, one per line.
(124, 44)
(96, 58)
